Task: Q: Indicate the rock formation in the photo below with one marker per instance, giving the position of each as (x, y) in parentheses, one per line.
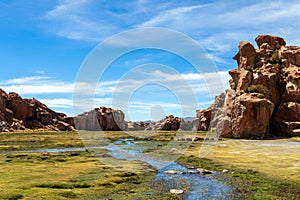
(105, 119)
(20, 113)
(209, 117)
(170, 123)
(264, 97)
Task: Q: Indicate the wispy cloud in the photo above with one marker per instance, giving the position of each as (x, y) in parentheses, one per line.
(36, 85)
(178, 16)
(202, 85)
(24, 80)
(71, 19)
(218, 25)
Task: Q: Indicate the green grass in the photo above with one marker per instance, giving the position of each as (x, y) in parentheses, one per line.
(251, 183)
(260, 169)
(69, 175)
(256, 170)
(33, 140)
(65, 175)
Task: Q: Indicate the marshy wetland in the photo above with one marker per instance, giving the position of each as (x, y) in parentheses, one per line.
(65, 165)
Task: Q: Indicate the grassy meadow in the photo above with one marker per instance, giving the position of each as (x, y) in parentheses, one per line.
(264, 169)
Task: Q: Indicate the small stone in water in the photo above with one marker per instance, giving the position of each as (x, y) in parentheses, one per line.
(176, 191)
(171, 172)
(190, 167)
(203, 171)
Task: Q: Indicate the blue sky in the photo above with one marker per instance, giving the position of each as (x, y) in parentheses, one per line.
(44, 43)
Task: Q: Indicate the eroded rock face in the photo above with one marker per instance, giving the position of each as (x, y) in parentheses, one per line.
(17, 113)
(105, 119)
(209, 117)
(274, 42)
(248, 117)
(265, 91)
(246, 55)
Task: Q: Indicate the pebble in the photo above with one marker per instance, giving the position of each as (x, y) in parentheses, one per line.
(171, 172)
(203, 171)
(190, 167)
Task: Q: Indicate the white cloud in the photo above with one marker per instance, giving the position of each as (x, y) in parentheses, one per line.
(178, 15)
(107, 91)
(218, 26)
(71, 19)
(36, 85)
(57, 103)
(24, 80)
(40, 89)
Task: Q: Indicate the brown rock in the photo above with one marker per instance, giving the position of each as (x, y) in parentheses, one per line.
(9, 115)
(273, 41)
(19, 113)
(235, 74)
(3, 101)
(17, 125)
(168, 123)
(290, 55)
(63, 126)
(22, 110)
(248, 118)
(208, 118)
(246, 57)
(245, 79)
(43, 116)
(102, 118)
(266, 80)
(204, 117)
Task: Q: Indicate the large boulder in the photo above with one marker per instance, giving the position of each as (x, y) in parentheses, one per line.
(274, 42)
(248, 117)
(204, 118)
(209, 117)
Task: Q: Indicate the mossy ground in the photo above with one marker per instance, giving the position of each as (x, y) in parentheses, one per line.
(260, 169)
(264, 169)
(69, 175)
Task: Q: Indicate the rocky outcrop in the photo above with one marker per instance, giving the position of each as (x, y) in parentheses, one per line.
(105, 119)
(264, 97)
(17, 113)
(246, 116)
(207, 118)
(138, 126)
(170, 123)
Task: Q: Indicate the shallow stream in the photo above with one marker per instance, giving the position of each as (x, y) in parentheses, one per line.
(194, 185)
